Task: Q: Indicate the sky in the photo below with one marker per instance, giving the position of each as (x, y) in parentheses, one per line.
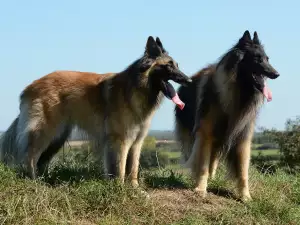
(39, 37)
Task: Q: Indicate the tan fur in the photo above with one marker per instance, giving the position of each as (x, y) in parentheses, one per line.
(206, 159)
(214, 162)
(244, 153)
(223, 103)
(93, 102)
(197, 146)
(202, 151)
(113, 109)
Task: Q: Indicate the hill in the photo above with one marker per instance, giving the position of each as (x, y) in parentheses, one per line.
(75, 195)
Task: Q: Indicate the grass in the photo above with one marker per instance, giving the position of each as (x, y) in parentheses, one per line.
(173, 155)
(268, 152)
(254, 152)
(74, 194)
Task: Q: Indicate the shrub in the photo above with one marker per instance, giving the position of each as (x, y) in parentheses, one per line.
(151, 159)
(149, 143)
(289, 143)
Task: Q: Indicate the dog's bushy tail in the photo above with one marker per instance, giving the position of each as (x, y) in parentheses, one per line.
(8, 144)
(185, 120)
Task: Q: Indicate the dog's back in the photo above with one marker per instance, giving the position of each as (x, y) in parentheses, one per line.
(63, 83)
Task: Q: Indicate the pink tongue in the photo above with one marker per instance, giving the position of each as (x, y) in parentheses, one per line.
(267, 93)
(178, 102)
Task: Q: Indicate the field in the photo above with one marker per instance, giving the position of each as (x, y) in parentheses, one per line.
(269, 152)
(176, 154)
(93, 201)
(75, 193)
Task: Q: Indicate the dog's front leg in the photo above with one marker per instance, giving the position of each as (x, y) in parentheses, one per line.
(115, 156)
(240, 161)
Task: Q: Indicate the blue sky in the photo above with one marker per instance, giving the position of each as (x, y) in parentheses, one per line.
(38, 37)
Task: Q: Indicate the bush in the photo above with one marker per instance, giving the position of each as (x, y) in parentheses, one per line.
(149, 143)
(175, 160)
(265, 163)
(289, 143)
(151, 159)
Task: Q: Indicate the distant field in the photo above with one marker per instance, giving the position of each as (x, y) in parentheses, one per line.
(172, 155)
(253, 152)
(265, 152)
(79, 143)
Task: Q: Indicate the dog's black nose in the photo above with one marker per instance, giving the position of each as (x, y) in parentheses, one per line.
(275, 75)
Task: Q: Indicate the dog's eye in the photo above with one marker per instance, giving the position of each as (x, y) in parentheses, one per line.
(258, 59)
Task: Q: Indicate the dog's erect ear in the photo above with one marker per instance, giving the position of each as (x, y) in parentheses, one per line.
(255, 38)
(244, 41)
(158, 42)
(246, 37)
(152, 49)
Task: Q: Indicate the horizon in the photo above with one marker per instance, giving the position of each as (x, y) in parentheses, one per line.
(41, 37)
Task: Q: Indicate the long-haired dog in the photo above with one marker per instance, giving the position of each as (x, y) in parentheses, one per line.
(114, 109)
(221, 107)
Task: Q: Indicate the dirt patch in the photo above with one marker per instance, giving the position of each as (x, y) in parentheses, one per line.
(174, 205)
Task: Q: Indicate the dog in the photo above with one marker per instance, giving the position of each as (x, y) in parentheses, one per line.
(221, 106)
(114, 109)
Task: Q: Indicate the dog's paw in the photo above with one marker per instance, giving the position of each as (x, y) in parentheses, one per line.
(246, 198)
(144, 193)
(200, 192)
(141, 192)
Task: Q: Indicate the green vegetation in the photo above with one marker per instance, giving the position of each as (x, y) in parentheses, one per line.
(289, 144)
(269, 152)
(172, 201)
(74, 191)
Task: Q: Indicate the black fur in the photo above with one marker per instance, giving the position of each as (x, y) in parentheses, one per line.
(187, 94)
(151, 86)
(244, 64)
(148, 85)
(52, 150)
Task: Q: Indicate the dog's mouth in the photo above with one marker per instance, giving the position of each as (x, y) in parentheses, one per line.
(261, 85)
(169, 91)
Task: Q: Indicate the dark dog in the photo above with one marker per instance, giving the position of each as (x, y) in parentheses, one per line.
(221, 107)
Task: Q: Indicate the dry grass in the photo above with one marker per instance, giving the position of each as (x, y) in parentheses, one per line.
(89, 200)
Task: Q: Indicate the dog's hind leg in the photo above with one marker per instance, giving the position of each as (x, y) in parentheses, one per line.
(201, 165)
(109, 162)
(37, 143)
(214, 162)
(55, 145)
(34, 135)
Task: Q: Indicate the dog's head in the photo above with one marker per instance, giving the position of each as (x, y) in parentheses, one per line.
(253, 63)
(160, 67)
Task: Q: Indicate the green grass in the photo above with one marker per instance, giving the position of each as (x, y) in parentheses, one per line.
(173, 155)
(254, 152)
(268, 152)
(73, 194)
